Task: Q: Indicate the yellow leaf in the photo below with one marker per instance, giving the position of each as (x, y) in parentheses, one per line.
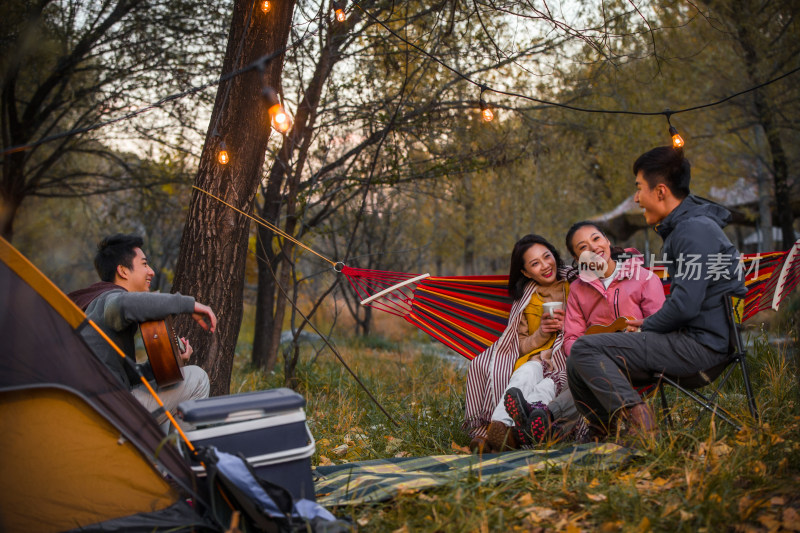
(791, 519)
(324, 461)
(572, 528)
(597, 497)
(670, 508)
(644, 525)
(611, 527)
(769, 521)
(462, 449)
(594, 483)
(537, 514)
(363, 521)
(720, 449)
(525, 500)
(341, 449)
(685, 515)
(759, 468)
(747, 506)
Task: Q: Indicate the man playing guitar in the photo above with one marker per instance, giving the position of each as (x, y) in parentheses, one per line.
(122, 300)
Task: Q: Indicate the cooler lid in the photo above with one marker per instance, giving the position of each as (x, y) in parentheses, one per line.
(241, 406)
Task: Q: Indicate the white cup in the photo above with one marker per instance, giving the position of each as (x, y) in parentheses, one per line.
(550, 307)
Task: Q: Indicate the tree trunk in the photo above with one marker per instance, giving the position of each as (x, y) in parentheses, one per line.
(765, 116)
(363, 325)
(271, 303)
(468, 202)
(265, 297)
(780, 171)
(213, 249)
(12, 194)
(764, 212)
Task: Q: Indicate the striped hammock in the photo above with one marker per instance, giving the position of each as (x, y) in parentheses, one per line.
(469, 313)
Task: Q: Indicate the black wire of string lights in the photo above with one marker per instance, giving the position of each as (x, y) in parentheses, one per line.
(280, 119)
(259, 63)
(488, 115)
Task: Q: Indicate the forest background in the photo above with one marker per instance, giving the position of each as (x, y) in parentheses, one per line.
(112, 111)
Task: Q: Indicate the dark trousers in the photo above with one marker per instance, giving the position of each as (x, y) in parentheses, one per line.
(602, 369)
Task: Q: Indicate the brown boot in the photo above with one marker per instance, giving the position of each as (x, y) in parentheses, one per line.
(641, 421)
(501, 437)
(479, 445)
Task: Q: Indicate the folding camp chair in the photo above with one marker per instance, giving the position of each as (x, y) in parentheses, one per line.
(689, 385)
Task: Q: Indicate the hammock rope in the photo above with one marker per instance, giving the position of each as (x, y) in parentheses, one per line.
(275, 229)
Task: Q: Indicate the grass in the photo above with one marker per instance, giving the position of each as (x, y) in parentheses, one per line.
(707, 478)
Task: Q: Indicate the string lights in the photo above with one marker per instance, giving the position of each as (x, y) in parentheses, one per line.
(486, 111)
(222, 155)
(279, 118)
(338, 10)
(677, 140)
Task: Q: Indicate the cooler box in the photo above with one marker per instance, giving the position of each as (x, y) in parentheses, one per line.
(267, 427)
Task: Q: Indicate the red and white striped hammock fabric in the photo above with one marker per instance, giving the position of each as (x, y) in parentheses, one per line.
(468, 313)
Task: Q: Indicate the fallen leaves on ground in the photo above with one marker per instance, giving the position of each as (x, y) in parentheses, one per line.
(462, 449)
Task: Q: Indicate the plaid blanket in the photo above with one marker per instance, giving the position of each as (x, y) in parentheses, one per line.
(381, 479)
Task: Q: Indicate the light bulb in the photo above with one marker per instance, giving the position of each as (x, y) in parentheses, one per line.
(677, 140)
(340, 14)
(486, 112)
(222, 157)
(279, 118)
(266, 6)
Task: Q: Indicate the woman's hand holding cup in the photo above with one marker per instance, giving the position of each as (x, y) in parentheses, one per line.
(552, 317)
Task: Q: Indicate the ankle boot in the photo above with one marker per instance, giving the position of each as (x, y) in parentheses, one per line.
(641, 421)
(479, 445)
(501, 437)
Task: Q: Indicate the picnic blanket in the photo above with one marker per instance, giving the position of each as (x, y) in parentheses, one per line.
(382, 479)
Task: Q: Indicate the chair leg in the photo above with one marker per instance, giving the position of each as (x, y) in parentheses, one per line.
(664, 404)
(751, 399)
(706, 403)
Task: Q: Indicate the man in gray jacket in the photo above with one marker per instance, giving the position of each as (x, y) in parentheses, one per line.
(122, 300)
(690, 332)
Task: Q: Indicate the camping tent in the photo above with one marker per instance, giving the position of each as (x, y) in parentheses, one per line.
(77, 450)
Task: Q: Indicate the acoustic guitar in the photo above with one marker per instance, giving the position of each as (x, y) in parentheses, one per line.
(619, 324)
(164, 350)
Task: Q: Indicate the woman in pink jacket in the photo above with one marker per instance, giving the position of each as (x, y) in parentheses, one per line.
(612, 283)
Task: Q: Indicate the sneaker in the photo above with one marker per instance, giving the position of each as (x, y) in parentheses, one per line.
(516, 406)
(522, 436)
(540, 422)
